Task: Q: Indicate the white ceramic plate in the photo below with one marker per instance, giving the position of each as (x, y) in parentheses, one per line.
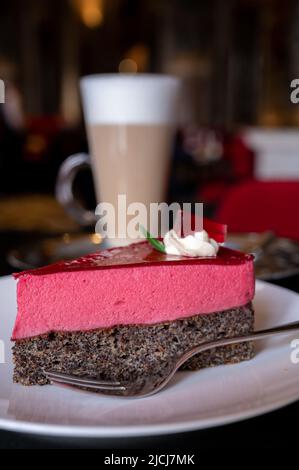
(195, 400)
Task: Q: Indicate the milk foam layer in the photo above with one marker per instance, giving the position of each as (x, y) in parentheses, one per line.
(124, 99)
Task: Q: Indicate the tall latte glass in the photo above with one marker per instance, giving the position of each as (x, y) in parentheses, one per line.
(130, 122)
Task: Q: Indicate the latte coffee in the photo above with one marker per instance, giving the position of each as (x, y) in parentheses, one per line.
(130, 121)
(132, 160)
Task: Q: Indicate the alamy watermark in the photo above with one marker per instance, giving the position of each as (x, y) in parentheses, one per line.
(294, 96)
(2, 92)
(124, 221)
(2, 352)
(295, 351)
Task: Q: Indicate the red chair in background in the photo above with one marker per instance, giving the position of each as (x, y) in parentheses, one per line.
(40, 132)
(238, 165)
(258, 206)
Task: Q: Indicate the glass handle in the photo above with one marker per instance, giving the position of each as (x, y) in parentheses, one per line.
(64, 189)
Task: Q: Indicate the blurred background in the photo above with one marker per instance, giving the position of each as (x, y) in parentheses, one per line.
(237, 149)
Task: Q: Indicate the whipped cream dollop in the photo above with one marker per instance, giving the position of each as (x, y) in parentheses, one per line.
(196, 245)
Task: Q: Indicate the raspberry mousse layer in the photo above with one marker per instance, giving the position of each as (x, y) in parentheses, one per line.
(135, 285)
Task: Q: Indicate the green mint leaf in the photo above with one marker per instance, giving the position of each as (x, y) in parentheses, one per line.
(153, 241)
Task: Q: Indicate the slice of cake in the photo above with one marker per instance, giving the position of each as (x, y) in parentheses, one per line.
(124, 313)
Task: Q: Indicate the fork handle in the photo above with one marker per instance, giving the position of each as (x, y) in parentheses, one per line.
(256, 335)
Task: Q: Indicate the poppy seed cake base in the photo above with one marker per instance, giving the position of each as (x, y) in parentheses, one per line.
(134, 352)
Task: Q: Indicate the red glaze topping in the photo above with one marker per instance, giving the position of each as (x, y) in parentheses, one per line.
(136, 254)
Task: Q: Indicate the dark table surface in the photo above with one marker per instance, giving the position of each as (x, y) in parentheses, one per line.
(274, 430)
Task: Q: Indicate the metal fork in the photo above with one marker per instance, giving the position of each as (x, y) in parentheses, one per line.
(146, 387)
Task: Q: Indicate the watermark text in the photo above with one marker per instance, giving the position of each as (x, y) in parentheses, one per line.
(2, 92)
(294, 96)
(124, 221)
(2, 352)
(295, 353)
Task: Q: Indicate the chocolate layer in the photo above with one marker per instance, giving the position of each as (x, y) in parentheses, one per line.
(133, 352)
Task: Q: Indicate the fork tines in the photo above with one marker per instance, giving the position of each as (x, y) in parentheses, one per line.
(94, 384)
